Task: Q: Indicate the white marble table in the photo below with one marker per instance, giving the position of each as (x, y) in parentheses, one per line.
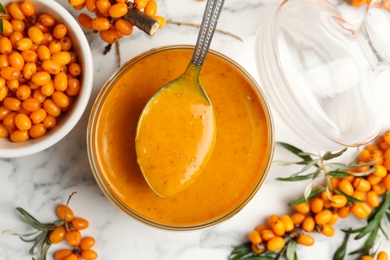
(39, 182)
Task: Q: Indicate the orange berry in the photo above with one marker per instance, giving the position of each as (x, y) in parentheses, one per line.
(386, 182)
(327, 230)
(22, 122)
(257, 249)
(27, 8)
(305, 239)
(361, 184)
(254, 237)
(118, 10)
(316, 205)
(382, 255)
(272, 218)
(151, 8)
(140, 4)
(18, 136)
(379, 188)
(278, 228)
(79, 223)
(338, 201)
(161, 20)
(15, 11)
(303, 207)
(298, 218)
(37, 130)
(372, 199)
(89, 254)
(365, 257)
(364, 155)
(260, 228)
(267, 234)
(323, 217)
(287, 222)
(62, 253)
(57, 235)
(361, 210)
(308, 224)
(373, 179)
(73, 237)
(346, 187)
(343, 212)
(88, 242)
(275, 244)
(65, 213)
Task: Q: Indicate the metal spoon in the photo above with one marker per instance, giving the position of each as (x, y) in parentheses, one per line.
(176, 131)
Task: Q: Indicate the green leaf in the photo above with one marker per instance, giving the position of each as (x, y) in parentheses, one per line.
(241, 251)
(341, 251)
(368, 244)
(314, 193)
(330, 155)
(291, 249)
(297, 177)
(1, 26)
(34, 222)
(2, 9)
(295, 151)
(339, 174)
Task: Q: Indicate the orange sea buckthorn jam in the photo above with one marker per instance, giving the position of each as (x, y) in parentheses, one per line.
(241, 155)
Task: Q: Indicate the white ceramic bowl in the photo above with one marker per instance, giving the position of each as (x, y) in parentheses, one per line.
(9, 149)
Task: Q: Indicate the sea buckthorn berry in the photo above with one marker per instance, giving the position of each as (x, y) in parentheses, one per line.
(62, 57)
(361, 210)
(80, 223)
(303, 207)
(13, 84)
(15, 11)
(76, 2)
(46, 20)
(89, 254)
(346, 187)
(151, 8)
(323, 217)
(24, 44)
(334, 219)
(257, 249)
(100, 23)
(48, 89)
(9, 121)
(57, 235)
(380, 171)
(59, 31)
(88, 242)
(49, 122)
(386, 182)
(103, 6)
(12, 103)
(359, 195)
(372, 199)
(298, 218)
(316, 205)
(47, 39)
(41, 78)
(30, 56)
(287, 222)
(64, 212)
(60, 81)
(382, 255)
(19, 136)
(260, 228)
(54, 46)
(51, 108)
(338, 201)
(379, 189)
(118, 10)
(62, 253)
(361, 184)
(31, 104)
(109, 36)
(140, 4)
(365, 257)
(72, 257)
(373, 179)
(73, 237)
(4, 61)
(51, 66)
(74, 69)
(85, 20)
(343, 212)
(161, 20)
(16, 60)
(7, 28)
(35, 34)
(254, 237)
(3, 131)
(278, 228)
(275, 244)
(22, 122)
(60, 99)
(14, 38)
(308, 224)
(37, 94)
(267, 234)
(334, 182)
(272, 218)
(38, 116)
(305, 239)
(123, 26)
(27, 8)
(66, 43)
(4, 112)
(43, 53)
(90, 5)
(9, 73)
(3, 93)
(327, 230)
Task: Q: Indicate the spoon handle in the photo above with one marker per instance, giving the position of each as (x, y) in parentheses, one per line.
(206, 32)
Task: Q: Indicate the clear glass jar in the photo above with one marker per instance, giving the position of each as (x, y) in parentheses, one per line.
(321, 74)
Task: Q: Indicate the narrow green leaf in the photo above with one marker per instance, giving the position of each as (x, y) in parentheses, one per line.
(297, 177)
(330, 155)
(339, 174)
(291, 249)
(368, 244)
(341, 251)
(313, 194)
(295, 151)
(33, 221)
(1, 26)
(2, 9)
